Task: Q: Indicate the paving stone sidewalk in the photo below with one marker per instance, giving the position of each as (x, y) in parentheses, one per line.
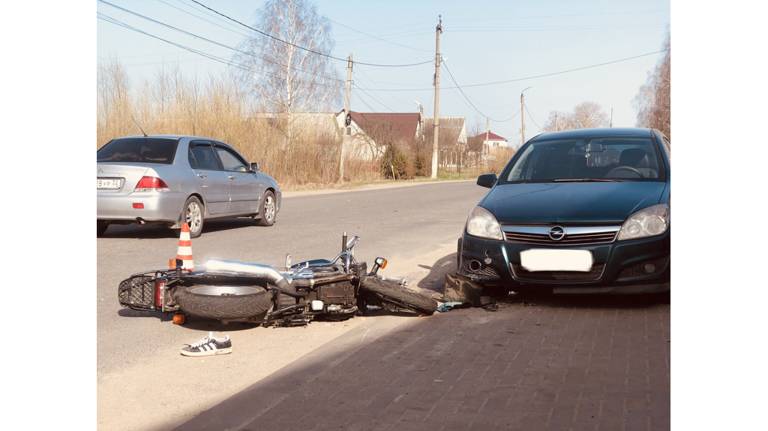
(558, 364)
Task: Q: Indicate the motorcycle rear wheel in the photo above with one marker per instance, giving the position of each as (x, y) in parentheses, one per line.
(391, 292)
(223, 302)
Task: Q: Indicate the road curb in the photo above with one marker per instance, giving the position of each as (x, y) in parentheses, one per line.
(367, 187)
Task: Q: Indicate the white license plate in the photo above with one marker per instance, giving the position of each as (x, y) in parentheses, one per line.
(109, 183)
(539, 259)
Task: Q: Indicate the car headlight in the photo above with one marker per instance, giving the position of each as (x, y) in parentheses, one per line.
(483, 224)
(650, 221)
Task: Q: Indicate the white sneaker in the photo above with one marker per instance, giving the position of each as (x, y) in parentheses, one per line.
(208, 346)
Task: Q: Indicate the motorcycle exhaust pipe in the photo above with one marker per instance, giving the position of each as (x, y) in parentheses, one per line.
(249, 269)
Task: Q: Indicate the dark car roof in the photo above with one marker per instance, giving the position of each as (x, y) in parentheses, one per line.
(604, 132)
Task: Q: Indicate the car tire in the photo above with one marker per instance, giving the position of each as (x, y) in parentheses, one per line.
(193, 213)
(267, 209)
(101, 227)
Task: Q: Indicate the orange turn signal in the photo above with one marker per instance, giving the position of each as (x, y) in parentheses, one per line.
(179, 319)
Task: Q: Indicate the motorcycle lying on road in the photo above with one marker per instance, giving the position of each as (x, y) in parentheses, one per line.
(231, 291)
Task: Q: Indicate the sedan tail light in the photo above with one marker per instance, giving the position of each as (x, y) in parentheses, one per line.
(146, 184)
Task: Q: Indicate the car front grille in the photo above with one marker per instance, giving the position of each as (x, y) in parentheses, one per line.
(573, 235)
(522, 274)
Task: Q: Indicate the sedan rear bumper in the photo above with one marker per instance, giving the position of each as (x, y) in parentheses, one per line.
(157, 206)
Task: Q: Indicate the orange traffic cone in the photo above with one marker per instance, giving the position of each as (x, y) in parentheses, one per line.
(184, 252)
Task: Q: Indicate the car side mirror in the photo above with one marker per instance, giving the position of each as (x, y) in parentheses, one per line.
(254, 167)
(487, 180)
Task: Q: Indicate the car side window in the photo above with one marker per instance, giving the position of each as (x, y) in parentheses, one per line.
(231, 161)
(201, 156)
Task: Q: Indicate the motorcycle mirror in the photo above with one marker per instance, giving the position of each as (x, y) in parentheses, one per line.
(381, 262)
(352, 242)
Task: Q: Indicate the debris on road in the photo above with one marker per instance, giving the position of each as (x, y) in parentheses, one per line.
(443, 307)
(461, 289)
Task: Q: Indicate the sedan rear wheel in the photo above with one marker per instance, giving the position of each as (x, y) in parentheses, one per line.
(193, 215)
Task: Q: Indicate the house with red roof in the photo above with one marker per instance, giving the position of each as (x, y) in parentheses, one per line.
(371, 132)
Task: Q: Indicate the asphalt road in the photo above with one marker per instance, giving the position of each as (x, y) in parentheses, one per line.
(554, 363)
(399, 223)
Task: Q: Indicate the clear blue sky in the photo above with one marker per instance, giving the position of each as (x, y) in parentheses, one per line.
(482, 41)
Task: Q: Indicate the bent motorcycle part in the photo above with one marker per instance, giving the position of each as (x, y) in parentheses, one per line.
(223, 302)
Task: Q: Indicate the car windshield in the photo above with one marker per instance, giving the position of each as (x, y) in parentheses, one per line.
(584, 160)
(138, 150)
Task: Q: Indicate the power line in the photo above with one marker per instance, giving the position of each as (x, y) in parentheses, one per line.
(375, 99)
(204, 19)
(373, 36)
(323, 54)
(197, 36)
(525, 78)
(117, 22)
(531, 117)
(466, 98)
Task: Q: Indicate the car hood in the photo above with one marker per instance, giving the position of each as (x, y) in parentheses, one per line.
(571, 203)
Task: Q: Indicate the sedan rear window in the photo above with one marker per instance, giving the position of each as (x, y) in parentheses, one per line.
(598, 159)
(138, 150)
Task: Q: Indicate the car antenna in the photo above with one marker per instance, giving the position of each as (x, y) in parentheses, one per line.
(138, 125)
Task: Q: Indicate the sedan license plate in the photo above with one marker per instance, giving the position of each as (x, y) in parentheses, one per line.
(539, 259)
(109, 183)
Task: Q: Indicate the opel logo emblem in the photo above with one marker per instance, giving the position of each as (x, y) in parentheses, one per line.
(556, 233)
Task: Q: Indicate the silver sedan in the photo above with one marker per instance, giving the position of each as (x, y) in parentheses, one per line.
(176, 179)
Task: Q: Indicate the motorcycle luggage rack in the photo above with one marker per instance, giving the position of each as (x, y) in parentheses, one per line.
(137, 292)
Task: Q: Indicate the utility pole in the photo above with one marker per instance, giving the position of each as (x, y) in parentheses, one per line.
(611, 123)
(347, 117)
(436, 111)
(486, 147)
(522, 116)
(522, 119)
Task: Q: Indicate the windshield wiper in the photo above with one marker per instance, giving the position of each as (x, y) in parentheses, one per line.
(585, 180)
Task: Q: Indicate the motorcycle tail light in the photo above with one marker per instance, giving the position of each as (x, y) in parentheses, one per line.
(159, 290)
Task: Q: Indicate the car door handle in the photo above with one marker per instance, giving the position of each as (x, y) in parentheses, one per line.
(231, 177)
(202, 176)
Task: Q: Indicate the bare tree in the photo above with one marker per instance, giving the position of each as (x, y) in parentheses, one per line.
(653, 99)
(282, 77)
(584, 115)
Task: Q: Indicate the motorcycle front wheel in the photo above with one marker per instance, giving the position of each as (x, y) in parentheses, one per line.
(393, 293)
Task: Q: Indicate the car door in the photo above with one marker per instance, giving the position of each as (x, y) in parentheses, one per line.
(213, 180)
(244, 187)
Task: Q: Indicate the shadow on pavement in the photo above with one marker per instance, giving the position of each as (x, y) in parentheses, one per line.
(152, 231)
(519, 368)
(435, 280)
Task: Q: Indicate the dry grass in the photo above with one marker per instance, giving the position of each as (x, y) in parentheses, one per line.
(216, 108)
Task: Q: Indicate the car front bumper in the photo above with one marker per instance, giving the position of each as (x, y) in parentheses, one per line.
(621, 267)
(158, 206)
